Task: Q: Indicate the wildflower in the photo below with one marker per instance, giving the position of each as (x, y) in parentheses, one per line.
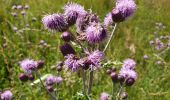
(23, 77)
(31, 77)
(7, 95)
(145, 57)
(53, 80)
(72, 11)
(50, 88)
(114, 76)
(19, 7)
(104, 96)
(128, 73)
(66, 36)
(129, 64)
(28, 65)
(67, 49)
(40, 64)
(85, 20)
(108, 20)
(95, 59)
(72, 62)
(95, 33)
(59, 80)
(128, 76)
(55, 22)
(123, 9)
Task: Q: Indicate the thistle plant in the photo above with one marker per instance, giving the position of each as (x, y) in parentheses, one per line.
(88, 35)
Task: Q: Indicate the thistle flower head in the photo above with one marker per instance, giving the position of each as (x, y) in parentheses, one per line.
(66, 36)
(95, 59)
(28, 65)
(72, 62)
(53, 80)
(108, 20)
(72, 11)
(7, 95)
(95, 33)
(84, 20)
(55, 22)
(129, 64)
(123, 9)
(128, 73)
(67, 49)
(104, 96)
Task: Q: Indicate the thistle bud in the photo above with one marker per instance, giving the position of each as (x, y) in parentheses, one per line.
(31, 77)
(130, 81)
(66, 49)
(23, 77)
(114, 76)
(40, 64)
(66, 36)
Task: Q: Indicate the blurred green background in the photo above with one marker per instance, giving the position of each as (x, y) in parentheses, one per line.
(131, 41)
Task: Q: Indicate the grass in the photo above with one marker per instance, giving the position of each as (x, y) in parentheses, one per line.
(131, 40)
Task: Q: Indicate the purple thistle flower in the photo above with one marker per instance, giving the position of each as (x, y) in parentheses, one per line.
(104, 96)
(129, 64)
(59, 80)
(95, 59)
(159, 44)
(28, 65)
(19, 7)
(128, 73)
(67, 49)
(72, 62)
(53, 80)
(7, 95)
(55, 22)
(23, 77)
(72, 11)
(145, 57)
(124, 9)
(108, 20)
(95, 33)
(84, 20)
(66, 36)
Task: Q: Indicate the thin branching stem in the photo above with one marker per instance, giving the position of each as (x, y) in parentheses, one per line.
(111, 36)
(84, 81)
(90, 82)
(39, 77)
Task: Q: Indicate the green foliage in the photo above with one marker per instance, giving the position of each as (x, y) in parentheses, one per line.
(131, 41)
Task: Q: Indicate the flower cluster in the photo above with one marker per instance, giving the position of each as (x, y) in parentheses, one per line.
(123, 9)
(28, 66)
(126, 77)
(127, 72)
(81, 50)
(6, 95)
(52, 80)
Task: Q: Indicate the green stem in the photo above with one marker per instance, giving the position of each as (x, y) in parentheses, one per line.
(90, 82)
(39, 77)
(113, 31)
(84, 82)
(113, 85)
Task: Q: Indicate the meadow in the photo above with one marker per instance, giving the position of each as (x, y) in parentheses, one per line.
(25, 37)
